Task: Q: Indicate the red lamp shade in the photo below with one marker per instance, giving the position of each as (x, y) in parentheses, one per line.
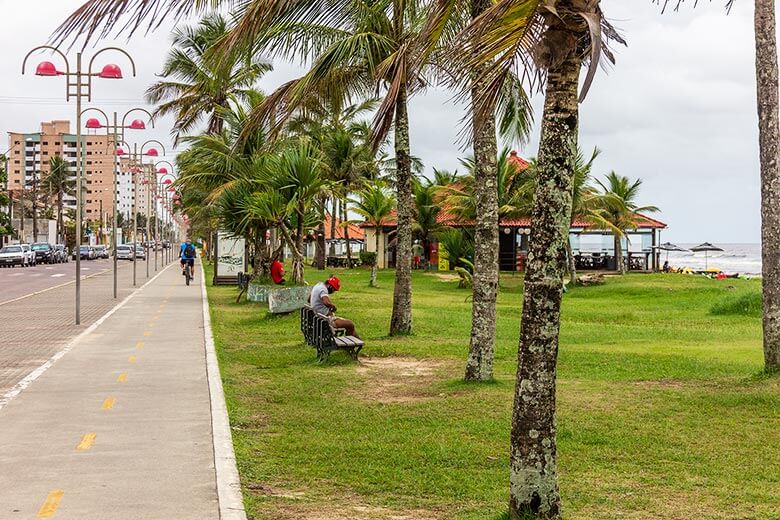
(137, 124)
(167, 181)
(163, 170)
(152, 152)
(111, 71)
(120, 151)
(46, 68)
(93, 123)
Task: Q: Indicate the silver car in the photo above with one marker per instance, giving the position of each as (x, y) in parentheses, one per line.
(124, 252)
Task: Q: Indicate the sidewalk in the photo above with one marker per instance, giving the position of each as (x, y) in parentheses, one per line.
(120, 427)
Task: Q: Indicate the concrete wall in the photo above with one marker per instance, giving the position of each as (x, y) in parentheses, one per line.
(371, 245)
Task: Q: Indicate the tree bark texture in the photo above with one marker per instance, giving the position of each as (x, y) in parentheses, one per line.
(333, 213)
(768, 135)
(619, 264)
(320, 247)
(401, 321)
(533, 455)
(479, 365)
(344, 220)
(572, 264)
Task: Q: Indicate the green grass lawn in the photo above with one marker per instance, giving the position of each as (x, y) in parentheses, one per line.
(662, 409)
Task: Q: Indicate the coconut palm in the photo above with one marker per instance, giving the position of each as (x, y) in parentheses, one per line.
(59, 182)
(427, 208)
(375, 204)
(202, 84)
(620, 211)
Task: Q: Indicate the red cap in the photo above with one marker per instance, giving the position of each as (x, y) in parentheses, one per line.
(334, 282)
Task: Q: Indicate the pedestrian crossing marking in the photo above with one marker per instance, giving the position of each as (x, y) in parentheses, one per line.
(51, 504)
(86, 441)
(108, 403)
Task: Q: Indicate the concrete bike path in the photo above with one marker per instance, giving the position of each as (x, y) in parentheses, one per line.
(120, 427)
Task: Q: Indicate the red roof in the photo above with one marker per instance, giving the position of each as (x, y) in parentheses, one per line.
(445, 217)
(355, 232)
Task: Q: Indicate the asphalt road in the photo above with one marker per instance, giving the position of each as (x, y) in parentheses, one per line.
(16, 282)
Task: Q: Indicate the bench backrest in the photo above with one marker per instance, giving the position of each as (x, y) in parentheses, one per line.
(324, 338)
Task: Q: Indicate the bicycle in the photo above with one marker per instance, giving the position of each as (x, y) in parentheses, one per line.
(187, 274)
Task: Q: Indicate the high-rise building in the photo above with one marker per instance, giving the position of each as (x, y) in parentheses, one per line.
(28, 163)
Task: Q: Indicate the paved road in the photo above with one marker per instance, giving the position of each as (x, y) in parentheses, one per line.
(120, 427)
(20, 281)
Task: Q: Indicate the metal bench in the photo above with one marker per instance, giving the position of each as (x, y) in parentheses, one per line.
(318, 333)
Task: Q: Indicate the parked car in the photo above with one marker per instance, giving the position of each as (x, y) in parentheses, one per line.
(29, 254)
(86, 253)
(11, 256)
(140, 252)
(101, 251)
(44, 253)
(124, 252)
(61, 253)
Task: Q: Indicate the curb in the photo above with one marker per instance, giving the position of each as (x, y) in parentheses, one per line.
(231, 502)
(19, 387)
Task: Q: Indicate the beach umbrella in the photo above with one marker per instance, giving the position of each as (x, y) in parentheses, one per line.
(668, 246)
(706, 247)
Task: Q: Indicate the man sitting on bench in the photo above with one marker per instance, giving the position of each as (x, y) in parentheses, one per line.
(321, 304)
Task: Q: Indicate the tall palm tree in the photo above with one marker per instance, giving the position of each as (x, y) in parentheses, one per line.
(620, 211)
(374, 205)
(551, 39)
(201, 82)
(768, 137)
(59, 182)
(427, 208)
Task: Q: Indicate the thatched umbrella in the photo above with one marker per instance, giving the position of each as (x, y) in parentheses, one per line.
(706, 247)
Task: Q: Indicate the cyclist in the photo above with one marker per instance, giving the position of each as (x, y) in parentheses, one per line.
(187, 255)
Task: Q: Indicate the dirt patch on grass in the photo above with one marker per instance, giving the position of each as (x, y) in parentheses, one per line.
(399, 379)
(448, 277)
(662, 383)
(352, 512)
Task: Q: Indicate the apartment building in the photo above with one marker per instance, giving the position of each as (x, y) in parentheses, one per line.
(30, 153)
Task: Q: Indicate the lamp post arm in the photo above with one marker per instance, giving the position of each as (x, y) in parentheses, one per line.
(55, 49)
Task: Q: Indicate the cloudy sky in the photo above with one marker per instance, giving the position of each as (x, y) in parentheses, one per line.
(678, 109)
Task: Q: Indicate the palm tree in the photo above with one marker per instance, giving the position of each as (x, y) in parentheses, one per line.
(202, 82)
(59, 181)
(768, 137)
(555, 38)
(620, 211)
(427, 208)
(375, 205)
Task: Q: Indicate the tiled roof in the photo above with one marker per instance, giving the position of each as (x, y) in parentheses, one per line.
(356, 232)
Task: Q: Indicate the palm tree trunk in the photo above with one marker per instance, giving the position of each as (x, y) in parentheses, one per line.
(297, 265)
(375, 267)
(769, 133)
(572, 263)
(479, 365)
(60, 223)
(619, 264)
(344, 219)
(401, 321)
(320, 243)
(533, 458)
(333, 213)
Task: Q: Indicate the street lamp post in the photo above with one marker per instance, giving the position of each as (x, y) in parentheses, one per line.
(136, 158)
(78, 85)
(117, 130)
(162, 171)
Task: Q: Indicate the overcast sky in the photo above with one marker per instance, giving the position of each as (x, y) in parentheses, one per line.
(678, 109)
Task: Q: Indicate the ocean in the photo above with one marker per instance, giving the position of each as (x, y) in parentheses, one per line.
(735, 258)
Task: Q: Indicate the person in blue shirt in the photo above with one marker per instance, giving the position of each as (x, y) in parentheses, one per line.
(187, 255)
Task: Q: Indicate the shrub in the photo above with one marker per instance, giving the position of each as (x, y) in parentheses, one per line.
(368, 258)
(747, 304)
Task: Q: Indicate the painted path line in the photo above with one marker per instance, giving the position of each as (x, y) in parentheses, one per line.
(51, 504)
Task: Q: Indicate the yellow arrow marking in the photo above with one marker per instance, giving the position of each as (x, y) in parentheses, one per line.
(122, 378)
(132, 359)
(139, 345)
(108, 403)
(86, 441)
(51, 504)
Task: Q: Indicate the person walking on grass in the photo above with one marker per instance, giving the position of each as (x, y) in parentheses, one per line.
(187, 255)
(320, 302)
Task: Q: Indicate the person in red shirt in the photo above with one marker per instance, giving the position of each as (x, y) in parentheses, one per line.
(277, 272)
